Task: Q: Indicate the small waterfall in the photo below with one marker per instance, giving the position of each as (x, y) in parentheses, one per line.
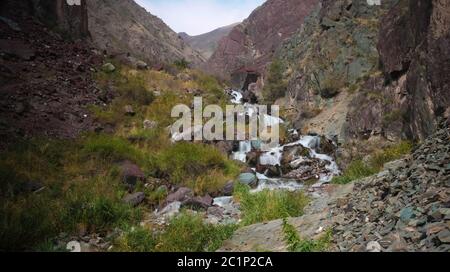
(244, 148)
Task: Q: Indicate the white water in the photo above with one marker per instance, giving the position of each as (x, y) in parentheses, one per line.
(274, 155)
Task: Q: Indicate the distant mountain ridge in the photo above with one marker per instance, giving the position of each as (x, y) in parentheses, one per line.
(207, 43)
(251, 44)
(124, 27)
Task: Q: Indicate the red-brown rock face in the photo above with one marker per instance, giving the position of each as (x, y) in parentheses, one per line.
(250, 45)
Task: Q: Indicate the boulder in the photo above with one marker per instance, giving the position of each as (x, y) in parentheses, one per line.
(131, 174)
(181, 195)
(249, 179)
(134, 199)
(228, 189)
(199, 203)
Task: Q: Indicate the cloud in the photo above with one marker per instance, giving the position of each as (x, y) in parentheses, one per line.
(200, 16)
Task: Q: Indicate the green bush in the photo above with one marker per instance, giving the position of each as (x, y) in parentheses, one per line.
(181, 64)
(268, 205)
(276, 84)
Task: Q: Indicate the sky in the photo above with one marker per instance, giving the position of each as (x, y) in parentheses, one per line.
(200, 16)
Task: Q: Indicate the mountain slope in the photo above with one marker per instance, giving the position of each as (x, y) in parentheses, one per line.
(389, 61)
(207, 43)
(122, 27)
(250, 45)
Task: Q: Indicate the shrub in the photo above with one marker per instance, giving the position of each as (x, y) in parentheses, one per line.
(268, 205)
(276, 85)
(181, 64)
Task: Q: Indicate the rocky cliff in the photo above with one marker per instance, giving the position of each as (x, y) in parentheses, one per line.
(357, 70)
(207, 43)
(250, 45)
(123, 27)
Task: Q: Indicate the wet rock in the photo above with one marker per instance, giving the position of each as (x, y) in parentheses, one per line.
(228, 189)
(134, 199)
(248, 179)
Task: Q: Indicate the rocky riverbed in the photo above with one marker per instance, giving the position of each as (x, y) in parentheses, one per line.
(403, 208)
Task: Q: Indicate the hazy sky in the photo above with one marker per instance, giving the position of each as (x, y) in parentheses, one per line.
(200, 16)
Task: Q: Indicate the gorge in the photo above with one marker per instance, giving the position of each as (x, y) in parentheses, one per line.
(89, 161)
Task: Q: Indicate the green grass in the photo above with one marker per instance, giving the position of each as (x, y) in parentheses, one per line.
(268, 205)
(188, 233)
(110, 148)
(79, 193)
(359, 169)
(201, 167)
(296, 244)
(185, 233)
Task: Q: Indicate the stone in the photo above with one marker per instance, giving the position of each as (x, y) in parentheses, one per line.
(131, 174)
(181, 195)
(170, 210)
(373, 246)
(108, 67)
(407, 214)
(249, 179)
(74, 246)
(129, 110)
(198, 203)
(444, 236)
(148, 124)
(228, 189)
(141, 65)
(134, 199)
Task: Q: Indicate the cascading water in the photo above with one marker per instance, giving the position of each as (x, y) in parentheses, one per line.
(274, 156)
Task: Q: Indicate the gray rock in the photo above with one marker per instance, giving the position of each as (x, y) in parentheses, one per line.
(148, 124)
(134, 199)
(181, 195)
(249, 179)
(129, 110)
(108, 68)
(228, 189)
(198, 203)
